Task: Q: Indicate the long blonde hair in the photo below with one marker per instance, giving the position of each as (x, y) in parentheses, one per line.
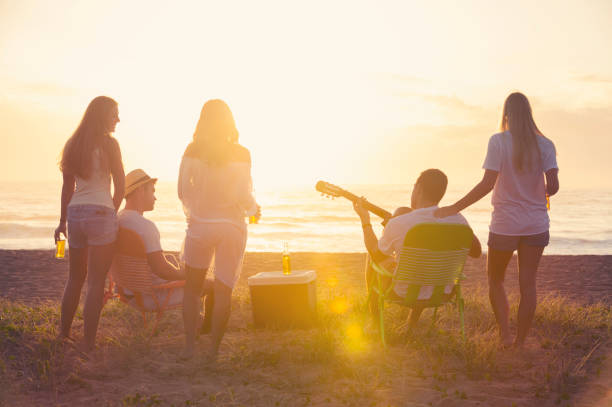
(518, 119)
(92, 133)
(215, 134)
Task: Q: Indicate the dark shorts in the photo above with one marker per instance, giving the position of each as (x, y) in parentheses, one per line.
(511, 243)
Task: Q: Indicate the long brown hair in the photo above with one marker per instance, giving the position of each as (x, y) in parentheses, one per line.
(215, 134)
(91, 133)
(518, 119)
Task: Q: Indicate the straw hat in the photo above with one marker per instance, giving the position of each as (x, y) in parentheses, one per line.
(135, 179)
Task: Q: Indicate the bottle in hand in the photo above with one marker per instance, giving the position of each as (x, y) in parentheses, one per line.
(60, 248)
(286, 259)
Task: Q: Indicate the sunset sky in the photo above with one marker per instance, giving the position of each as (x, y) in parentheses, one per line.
(347, 91)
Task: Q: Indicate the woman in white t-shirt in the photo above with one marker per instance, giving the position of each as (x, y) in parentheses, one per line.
(521, 169)
(216, 191)
(91, 157)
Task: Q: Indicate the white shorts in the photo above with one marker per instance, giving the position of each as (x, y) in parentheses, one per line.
(223, 241)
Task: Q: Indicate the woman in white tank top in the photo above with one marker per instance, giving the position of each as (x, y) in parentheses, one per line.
(91, 157)
(215, 188)
(521, 170)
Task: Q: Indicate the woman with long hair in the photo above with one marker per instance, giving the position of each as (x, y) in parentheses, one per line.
(91, 157)
(521, 169)
(215, 188)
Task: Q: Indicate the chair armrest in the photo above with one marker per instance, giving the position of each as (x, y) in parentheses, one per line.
(380, 270)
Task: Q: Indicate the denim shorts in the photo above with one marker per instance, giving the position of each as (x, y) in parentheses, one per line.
(511, 243)
(91, 225)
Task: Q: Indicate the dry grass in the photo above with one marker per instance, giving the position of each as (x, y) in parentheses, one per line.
(340, 361)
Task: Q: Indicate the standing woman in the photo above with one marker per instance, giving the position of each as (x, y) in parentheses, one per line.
(521, 169)
(216, 190)
(89, 159)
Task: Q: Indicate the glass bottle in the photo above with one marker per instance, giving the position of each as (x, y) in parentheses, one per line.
(286, 259)
(60, 248)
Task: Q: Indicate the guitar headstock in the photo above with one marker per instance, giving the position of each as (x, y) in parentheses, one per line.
(329, 189)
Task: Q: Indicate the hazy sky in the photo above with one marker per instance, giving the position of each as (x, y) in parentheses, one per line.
(350, 92)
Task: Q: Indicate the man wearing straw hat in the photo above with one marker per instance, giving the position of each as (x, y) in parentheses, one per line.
(140, 198)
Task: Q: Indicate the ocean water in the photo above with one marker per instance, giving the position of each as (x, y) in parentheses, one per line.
(581, 220)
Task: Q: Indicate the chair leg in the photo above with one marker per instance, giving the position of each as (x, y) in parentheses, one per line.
(434, 318)
(461, 319)
(381, 305)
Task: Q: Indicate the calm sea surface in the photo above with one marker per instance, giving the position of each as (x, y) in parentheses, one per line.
(581, 220)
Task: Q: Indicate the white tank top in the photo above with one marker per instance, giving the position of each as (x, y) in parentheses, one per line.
(96, 189)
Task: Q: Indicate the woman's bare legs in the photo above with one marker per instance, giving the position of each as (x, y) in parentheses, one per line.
(72, 291)
(191, 307)
(497, 261)
(221, 314)
(528, 261)
(100, 260)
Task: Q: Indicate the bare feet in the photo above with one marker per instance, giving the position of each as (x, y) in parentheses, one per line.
(65, 338)
(506, 341)
(83, 349)
(187, 353)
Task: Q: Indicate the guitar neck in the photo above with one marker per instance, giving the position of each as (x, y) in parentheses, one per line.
(377, 210)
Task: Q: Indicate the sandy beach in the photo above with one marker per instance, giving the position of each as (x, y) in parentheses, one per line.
(317, 366)
(35, 275)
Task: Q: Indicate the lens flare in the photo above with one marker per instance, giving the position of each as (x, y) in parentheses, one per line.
(338, 305)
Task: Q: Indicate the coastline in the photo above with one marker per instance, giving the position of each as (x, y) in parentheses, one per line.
(32, 276)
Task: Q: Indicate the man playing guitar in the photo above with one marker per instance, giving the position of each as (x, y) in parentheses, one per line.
(427, 192)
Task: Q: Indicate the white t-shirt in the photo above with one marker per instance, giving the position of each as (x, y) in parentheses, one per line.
(130, 219)
(519, 197)
(148, 232)
(217, 193)
(394, 233)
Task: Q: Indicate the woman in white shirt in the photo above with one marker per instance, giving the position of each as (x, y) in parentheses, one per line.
(521, 169)
(216, 190)
(91, 157)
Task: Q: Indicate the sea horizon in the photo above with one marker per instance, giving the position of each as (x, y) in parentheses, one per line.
(299, 215)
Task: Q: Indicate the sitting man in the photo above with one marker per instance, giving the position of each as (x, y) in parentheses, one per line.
(426, 194)
(139, 198)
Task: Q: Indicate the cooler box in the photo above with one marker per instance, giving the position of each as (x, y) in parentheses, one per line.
(284, 300)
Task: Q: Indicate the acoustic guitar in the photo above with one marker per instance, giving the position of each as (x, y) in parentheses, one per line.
(335, 191)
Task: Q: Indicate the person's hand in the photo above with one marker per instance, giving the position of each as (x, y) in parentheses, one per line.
(171, 258)
(181, 274)
(258, 213)
(61, 229)
(363, 213)
(445, 211)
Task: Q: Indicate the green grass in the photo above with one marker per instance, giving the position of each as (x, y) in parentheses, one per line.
(339, 361)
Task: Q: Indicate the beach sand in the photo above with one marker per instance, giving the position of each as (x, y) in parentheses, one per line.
(35, 275)
(245, 374)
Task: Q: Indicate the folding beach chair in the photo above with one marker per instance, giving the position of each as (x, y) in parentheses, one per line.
(433, 254)
(130, 270)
